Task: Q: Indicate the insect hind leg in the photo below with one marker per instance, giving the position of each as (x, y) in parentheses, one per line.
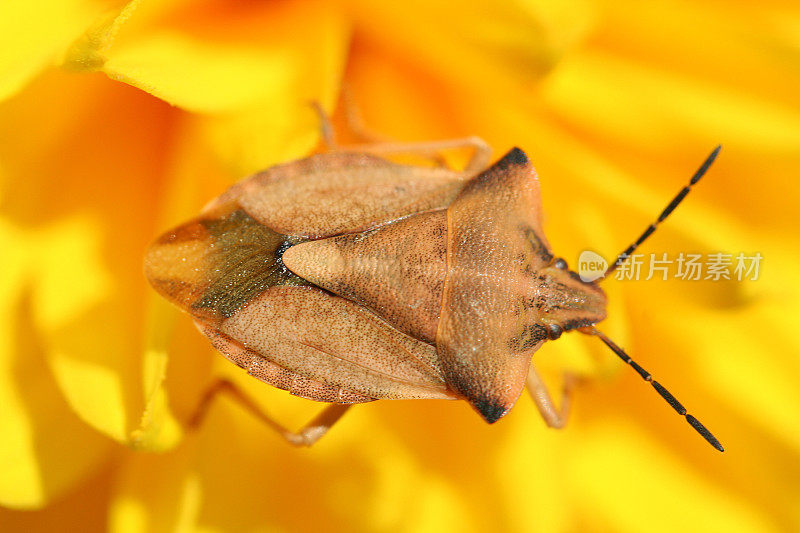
(306, 436)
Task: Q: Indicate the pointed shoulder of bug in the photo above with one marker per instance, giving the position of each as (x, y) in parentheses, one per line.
(504, 287)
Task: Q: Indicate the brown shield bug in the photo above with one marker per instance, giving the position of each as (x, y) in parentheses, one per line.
(346, 278)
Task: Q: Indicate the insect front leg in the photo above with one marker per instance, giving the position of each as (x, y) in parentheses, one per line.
(308, 435)
(555, 417)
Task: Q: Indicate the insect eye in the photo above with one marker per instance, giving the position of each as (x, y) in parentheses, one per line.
(560, 264)
(554, 331)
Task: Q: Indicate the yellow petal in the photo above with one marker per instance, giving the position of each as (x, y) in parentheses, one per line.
(157, 430)
(85, 505)
(649, 484)
(743, 335)
(532, 457)
(172, 346)
(95, 168)
(481, 45)
(745, 48)
(205, 483)
(46, 449)
(200, 76)
(637, 94)
(614, 96)
(253, 72)
(33, 34)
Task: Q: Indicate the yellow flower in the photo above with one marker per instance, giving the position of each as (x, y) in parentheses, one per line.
(117, 121)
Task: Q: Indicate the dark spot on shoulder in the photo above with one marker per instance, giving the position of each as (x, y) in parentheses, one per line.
(488, 405)
(491, 410)
(514, 157)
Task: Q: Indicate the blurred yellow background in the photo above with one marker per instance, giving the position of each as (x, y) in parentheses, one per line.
(118, 121)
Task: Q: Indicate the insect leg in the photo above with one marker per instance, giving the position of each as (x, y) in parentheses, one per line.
(308, 435)
(354, 121)
(355, 127)
(377, 144)
(325, 127)
(368, 139)
(477, 162)
(555, 417)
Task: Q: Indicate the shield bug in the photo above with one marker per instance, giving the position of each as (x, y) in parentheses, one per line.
(346, 278)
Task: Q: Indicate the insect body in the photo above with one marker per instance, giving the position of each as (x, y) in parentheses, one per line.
(346, 278)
